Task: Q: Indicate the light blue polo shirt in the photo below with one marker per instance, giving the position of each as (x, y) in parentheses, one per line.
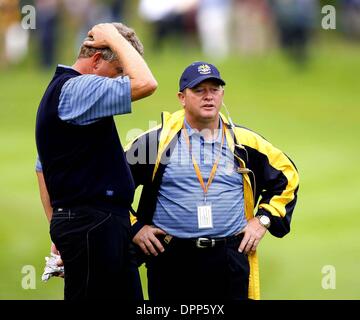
(180, 191)
(88, 98)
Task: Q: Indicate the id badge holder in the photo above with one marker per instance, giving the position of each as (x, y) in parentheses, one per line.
(204, 213)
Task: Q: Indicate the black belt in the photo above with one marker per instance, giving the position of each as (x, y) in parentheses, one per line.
(204, 242)
(119, 210)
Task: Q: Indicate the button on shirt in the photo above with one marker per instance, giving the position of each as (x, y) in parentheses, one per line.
(180, 191)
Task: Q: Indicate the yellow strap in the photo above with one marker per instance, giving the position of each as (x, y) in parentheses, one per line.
(196, 166)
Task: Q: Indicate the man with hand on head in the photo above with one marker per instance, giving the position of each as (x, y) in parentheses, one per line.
(85, 183)
(202, 179)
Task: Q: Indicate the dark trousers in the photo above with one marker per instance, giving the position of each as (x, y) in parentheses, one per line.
(95, 246)
(183, 272)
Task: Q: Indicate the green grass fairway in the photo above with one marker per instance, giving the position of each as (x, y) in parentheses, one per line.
(312, 114)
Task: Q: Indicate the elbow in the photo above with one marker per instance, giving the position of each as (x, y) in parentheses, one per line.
(150, 86)
(143, 88)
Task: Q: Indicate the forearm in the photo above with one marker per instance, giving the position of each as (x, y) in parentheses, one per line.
(44, 196)
(276, 180)
(143, 82)
(280, 196)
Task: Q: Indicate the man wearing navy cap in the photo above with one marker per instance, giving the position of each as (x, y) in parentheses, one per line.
(202, 179)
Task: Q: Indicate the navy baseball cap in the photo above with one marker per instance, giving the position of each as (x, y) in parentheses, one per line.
(198, 72)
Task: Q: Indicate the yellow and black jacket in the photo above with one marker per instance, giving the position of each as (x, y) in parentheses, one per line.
(270, 178)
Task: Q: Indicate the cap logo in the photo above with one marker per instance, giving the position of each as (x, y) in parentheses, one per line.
(204, 69)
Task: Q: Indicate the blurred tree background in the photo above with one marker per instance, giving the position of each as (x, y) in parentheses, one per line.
(287, 78)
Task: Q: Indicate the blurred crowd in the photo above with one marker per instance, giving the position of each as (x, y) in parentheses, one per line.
(219, 27)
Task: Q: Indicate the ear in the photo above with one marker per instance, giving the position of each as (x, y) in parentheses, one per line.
(96, 60)
(181, 97)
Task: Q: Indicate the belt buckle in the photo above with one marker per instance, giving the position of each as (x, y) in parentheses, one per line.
(201, 246)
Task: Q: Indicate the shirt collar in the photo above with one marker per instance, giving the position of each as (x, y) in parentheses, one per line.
(64, 66)
(196, 132)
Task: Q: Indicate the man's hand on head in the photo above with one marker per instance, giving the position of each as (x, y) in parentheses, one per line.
(103, 35)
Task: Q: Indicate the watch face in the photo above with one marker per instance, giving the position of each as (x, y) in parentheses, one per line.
(265, 220)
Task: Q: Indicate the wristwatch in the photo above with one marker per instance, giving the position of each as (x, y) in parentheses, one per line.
(264, 221)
